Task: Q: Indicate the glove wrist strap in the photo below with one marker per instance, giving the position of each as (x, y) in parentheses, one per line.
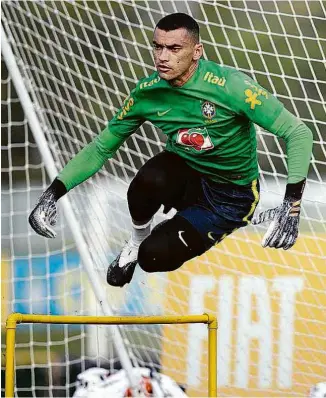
(57, 188)
(295, 191)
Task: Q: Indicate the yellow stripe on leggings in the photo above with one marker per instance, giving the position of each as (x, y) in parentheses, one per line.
(254, 203)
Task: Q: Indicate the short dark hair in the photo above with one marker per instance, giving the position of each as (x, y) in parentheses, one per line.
(179, 20)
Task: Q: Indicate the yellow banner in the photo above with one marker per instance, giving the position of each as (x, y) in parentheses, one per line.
(271, 309)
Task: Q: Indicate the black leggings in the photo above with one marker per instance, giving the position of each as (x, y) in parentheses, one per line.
(166, 179)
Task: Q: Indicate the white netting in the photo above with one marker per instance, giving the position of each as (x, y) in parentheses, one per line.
(79, 61)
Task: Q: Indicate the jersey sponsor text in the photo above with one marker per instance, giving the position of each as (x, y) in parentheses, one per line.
(150, 83)
(126, 108)
(213, 79)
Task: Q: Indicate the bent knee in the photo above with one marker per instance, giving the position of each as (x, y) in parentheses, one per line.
(151, 256)
(163, 250)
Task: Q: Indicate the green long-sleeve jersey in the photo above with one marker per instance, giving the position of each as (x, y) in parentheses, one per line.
(209, 121)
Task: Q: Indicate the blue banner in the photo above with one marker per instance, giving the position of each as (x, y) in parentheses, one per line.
(48, 285)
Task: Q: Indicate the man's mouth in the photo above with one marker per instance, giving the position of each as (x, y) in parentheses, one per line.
(163, 68)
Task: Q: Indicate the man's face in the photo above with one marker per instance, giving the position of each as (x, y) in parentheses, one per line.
(174, 52)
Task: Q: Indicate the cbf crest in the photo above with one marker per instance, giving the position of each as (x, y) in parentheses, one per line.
(208, 110)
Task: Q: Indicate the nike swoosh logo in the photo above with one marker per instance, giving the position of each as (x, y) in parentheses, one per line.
(181, 238)
(163, 113)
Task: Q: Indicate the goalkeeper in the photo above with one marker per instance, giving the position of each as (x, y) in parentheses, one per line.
(208, 171)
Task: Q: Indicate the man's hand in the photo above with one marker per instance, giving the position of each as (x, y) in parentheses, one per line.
(284, 227)
(45, 212)
(44, 215)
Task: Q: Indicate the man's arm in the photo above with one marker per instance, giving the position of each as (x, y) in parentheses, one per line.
(86, 163)
(284, 227)
(90, 159)
(265, 110)
(298, 140)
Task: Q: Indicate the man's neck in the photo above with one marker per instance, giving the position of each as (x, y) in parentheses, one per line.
(181, 80)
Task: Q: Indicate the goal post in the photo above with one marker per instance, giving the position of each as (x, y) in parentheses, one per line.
(78, 61)
(14, 319)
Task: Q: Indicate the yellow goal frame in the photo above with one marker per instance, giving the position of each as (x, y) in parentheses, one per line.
(14, 319)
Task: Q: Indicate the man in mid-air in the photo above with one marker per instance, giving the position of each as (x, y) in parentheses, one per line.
(208, 171)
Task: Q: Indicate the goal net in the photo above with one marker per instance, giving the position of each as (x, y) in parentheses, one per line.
(78, 61)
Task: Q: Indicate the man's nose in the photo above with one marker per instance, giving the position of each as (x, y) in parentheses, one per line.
(164, 55)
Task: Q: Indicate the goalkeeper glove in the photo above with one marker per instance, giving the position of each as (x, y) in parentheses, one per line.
(45, 212)
(284, 228)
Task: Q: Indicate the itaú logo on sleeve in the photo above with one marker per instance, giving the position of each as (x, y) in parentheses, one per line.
(195, 138)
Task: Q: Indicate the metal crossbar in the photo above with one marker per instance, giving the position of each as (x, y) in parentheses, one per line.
(14, 319)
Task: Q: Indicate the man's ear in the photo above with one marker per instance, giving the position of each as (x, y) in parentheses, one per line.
(198, 51)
